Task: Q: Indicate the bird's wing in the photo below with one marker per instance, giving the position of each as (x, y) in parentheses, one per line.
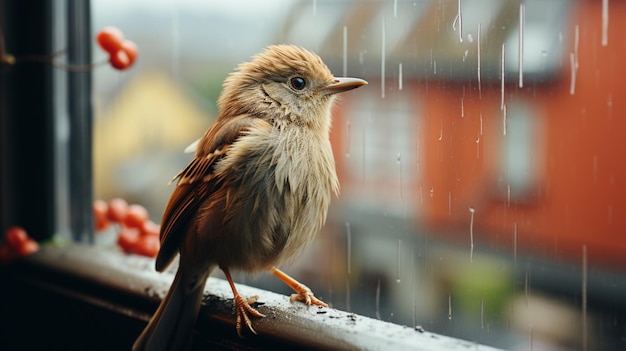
(197, 181)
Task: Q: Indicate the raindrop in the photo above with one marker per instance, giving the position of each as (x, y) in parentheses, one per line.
(449, 203)
(573, 60)
(449, 306)
(382, 63)
(504, 119)
(315, 9)
(398, 158)
(584, 297)
(441, 131)
(480, 95)
(481, 123)
(502, 78)
(521, 45)
(395, 8)
(378, 299)
(345, 51)
(470, 37)
(463, 105)
(471, 230)
(572, 85)
(458, 20)
(465, 55)
(544, 53)
(398, 261)
(478, 147)
(482, 314)
(530, 347)
(605, 22)
(349, 248)
(432, 192)
(400, 76)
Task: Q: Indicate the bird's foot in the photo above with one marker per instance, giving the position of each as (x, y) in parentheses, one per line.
(243, 311)
(305, 295)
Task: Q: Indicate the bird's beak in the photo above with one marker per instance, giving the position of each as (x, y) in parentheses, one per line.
(343, 84)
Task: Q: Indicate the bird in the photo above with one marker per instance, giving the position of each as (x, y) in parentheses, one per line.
(256, 191)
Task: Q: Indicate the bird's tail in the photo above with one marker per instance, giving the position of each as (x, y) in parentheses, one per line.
(172, 324)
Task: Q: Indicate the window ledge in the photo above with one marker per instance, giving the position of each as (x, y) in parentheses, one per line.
(87, 296)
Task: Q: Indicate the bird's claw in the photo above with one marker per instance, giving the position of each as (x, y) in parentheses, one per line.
(243, 310)
(305, 295)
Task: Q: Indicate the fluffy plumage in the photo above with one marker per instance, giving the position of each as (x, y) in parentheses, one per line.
(258, 188)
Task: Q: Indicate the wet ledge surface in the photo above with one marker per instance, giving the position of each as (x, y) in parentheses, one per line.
(108, 288)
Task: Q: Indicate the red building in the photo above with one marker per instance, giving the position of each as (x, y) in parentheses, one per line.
(535, 166)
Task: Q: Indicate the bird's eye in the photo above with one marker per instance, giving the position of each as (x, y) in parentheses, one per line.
(297, 83)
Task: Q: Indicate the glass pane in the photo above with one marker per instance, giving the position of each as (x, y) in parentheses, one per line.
(482, 173)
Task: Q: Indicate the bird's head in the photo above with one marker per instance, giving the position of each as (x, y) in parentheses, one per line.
(284, 84)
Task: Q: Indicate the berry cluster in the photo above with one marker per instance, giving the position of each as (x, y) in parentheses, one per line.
(137, 233)
(16, 244)
(122, 52)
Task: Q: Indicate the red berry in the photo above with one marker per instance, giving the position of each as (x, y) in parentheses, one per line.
(28, 247)
(118, 208)
(110, 39)
(120, 60)
(148, 245)
(100, 209)
(14, 237)
(127, 239)
(136, 216)
(131, 50)
(150, 228)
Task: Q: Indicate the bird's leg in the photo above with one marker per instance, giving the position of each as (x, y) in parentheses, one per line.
(242, 306)
(303, 293)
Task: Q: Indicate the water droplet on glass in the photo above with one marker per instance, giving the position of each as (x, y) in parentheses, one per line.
(480, 94)
(502, 62)
(458, 20)
(382, 62)
(520, 57)
(470, 38)
(398, 261)
(400, 76)
(605, 22)
(573, 60)
(378, 299)
(482, 314)
(504, 119)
